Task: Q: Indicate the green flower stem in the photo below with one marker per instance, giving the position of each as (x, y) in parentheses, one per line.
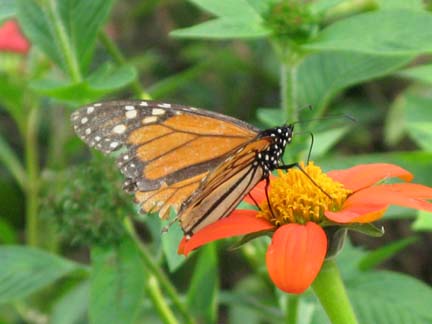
(158, 273)
(288, 88)
(118, 57)
(330, 290)
(32, 184)
(292, 309)
(71, 60)
(159, 302)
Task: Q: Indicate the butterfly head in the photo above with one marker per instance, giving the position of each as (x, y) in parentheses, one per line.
(270, 157)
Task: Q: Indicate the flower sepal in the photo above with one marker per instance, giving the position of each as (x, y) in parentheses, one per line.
(249, 237)
(336, 239)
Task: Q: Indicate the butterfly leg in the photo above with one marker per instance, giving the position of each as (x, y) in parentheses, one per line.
(267, 185)
(297, 165)
(255, 202)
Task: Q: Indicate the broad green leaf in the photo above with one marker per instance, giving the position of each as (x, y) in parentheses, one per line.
(170, 242)
(400, 4)
(7, 232)
(390, 298)
(321, 76)
(418, 120)
(7, 9)
(71, 308)
(423, 221)
(109, 78)
(228, 9)
(394, 129)
(321, 6)
(24, 270)
(421, 73)
(202, 293)
(325, 140)
(382, 32)
(224, 28)
(379, 255)
(103, 81)
(269, 116)
(117, 283)
(82, 20)
(36, 25)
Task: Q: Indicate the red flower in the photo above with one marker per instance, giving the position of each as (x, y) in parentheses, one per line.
(11, 38)
(299, 210)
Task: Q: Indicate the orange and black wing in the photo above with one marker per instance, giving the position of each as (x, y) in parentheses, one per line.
(224, 187)
(166, 149)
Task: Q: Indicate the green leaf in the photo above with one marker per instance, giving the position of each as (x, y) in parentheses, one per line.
(418, 120)
(400, 4)
(7, 9)
(269, 116)
(75, 22)
(170, 242)
(321, 6)
(71, 308)
(82, 20)
(24, 270)
(202, 294)
(423, 221)
(224, 28)
(325, 140)
(228, 9)
(7, 232)
(117, 283)
(422, 73)
(321, 76)
(390, 298)
(383, 32)
(37, 27)
(379, 255)
(394, 129)
(105, 80)
(109, 78)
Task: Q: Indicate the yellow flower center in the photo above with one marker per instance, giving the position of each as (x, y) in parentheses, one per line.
(294, 198)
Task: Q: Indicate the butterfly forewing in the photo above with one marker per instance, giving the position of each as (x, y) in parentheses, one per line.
(168, 149)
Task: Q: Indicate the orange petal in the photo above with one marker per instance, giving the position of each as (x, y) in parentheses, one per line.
(240, 222)
(295, 256)
(369, 204)
(365, 175)
(357, 214)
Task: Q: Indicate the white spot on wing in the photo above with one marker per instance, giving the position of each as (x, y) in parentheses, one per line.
(131, 113)
(149, 119)
(144, 103)
(129, 107)
(114, 144)
(98, 138)
(119, 129)
(158, 111)
(84, 120)
(97, 104)
(164, 105)
(88, 131)
(90, 109)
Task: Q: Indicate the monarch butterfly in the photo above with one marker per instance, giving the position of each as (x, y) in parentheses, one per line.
(199, 162)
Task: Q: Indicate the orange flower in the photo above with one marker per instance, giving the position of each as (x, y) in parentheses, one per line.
(11, 38)
(299, 211)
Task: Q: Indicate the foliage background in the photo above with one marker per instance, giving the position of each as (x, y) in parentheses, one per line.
(69, 252)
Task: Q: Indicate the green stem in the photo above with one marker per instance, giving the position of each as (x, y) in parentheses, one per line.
(159, 302)
(330, 290)
(158, 273)
(64, 43)
(288, 88)
(32, 166)
(292, 309)
(118, 57)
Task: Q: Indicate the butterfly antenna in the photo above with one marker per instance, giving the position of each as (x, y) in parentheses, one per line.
(310, 148)
(329, 117)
